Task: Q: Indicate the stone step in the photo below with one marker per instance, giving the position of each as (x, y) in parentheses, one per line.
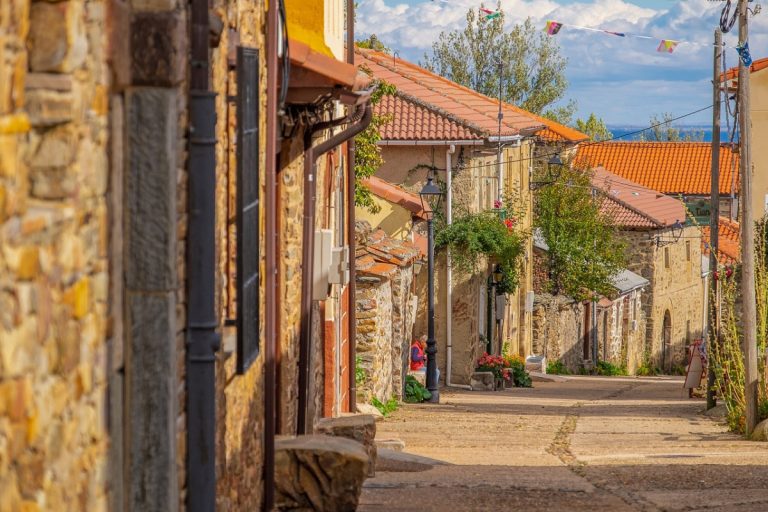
(547, 377)
(390, 444)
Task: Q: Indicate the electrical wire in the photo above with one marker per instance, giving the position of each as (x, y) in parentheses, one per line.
(286, 68)
(727, 24)
(584, 144)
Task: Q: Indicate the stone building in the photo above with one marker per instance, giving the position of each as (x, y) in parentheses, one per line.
(437, 125)
(572, 332)
(386, 311)
(160, 320)
(666, 251)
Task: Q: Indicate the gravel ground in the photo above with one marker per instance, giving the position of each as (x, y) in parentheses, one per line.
(591, 443)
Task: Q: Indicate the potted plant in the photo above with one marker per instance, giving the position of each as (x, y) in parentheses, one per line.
(495, 365)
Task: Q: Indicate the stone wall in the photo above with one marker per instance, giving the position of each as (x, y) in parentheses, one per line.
(558, 330)
(677, 288)
(374, 338)
(54, 260)
(621, 331)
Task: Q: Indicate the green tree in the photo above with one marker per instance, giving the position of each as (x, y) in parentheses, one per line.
(584, 250)
(662, 130)
(373, 43)
(594, 127)
(367, 152)
(533, 71)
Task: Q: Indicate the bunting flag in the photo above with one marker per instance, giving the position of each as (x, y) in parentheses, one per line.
(743, 51)
(488, 14)
(553, 27)
(667, 45)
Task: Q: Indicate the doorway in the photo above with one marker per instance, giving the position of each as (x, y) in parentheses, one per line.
(666, 340)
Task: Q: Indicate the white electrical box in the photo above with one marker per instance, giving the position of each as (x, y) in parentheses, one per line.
(338, 273)
(529, 302)
(322, 262)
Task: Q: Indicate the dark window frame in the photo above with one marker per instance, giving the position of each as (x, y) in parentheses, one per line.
(248, 217)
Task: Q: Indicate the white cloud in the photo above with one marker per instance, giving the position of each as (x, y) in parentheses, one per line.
(622, 79)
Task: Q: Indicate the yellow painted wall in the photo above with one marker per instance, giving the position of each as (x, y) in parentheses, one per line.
(306, 23)
(392, 218)
(759, 117)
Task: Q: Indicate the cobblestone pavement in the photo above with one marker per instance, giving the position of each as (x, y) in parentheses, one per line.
(591, 443)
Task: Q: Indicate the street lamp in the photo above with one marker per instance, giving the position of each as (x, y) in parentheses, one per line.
(554, 169)
(430, 200)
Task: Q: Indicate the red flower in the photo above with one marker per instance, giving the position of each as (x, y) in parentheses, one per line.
(497, 204)
(510, 223)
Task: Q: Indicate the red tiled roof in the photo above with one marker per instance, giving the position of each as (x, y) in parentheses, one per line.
(413, 121)
(733, 73)
(380, 255)
(395, 194)
(633, 206)
(459, 104)
(669, 167)
(728, 241)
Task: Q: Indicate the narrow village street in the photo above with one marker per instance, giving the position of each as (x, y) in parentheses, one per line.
(589, 443)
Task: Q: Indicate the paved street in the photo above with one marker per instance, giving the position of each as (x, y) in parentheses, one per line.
(590, 443)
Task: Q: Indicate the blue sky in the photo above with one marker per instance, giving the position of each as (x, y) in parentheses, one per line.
(623, 80)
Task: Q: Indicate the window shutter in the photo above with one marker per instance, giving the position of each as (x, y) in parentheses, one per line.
(247, 207)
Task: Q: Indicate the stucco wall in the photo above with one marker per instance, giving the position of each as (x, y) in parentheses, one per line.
(759, 117)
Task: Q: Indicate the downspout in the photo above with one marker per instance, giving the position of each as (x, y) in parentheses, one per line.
(352, 286)
(449, 273)
(357, 122)
(202, 339)
(271, 248)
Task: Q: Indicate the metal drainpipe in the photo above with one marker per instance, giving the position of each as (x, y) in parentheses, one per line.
(352, 286)
(357, 122)
(271, 325)
(449, 273)
(202, 339)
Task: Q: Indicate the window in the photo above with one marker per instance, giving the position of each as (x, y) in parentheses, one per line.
(247, 224)
(687, 250)
(666, 257)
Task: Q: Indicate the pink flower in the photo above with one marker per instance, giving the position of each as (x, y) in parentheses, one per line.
(497, 204)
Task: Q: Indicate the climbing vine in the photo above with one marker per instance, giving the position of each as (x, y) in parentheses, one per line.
(367, 152)
(478, 237)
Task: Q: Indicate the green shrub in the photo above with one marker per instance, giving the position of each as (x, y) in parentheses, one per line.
(606, 368)
(557, 367)
(359, 371)
(414, 392)
(647, 369)
(385, 408)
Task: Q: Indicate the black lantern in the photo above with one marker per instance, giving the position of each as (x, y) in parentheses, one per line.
(554, 168)
(430, 197)
(498, 274)
(430, 201)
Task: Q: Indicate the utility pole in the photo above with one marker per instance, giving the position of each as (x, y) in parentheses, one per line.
(499, 168)
(749, 307)
(714, 220)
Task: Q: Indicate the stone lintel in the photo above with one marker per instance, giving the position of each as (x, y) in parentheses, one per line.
(158, 49)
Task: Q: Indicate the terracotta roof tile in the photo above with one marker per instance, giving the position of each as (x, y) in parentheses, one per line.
(669, 167)
(728, 241)
(396, 195)
(636, 207)
(411, 120)
(733, 73)
(381, 255)
(469, 108)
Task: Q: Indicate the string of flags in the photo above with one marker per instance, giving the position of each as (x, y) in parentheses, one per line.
(665, 45)
(552, 28)
(487, 14)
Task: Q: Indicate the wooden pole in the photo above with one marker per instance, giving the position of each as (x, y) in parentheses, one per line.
(714, 220)
(749, 301)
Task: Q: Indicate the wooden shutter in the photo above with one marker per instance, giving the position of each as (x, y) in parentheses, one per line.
(247, 207)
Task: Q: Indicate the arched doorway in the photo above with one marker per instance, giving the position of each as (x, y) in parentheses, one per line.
(666, 340)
